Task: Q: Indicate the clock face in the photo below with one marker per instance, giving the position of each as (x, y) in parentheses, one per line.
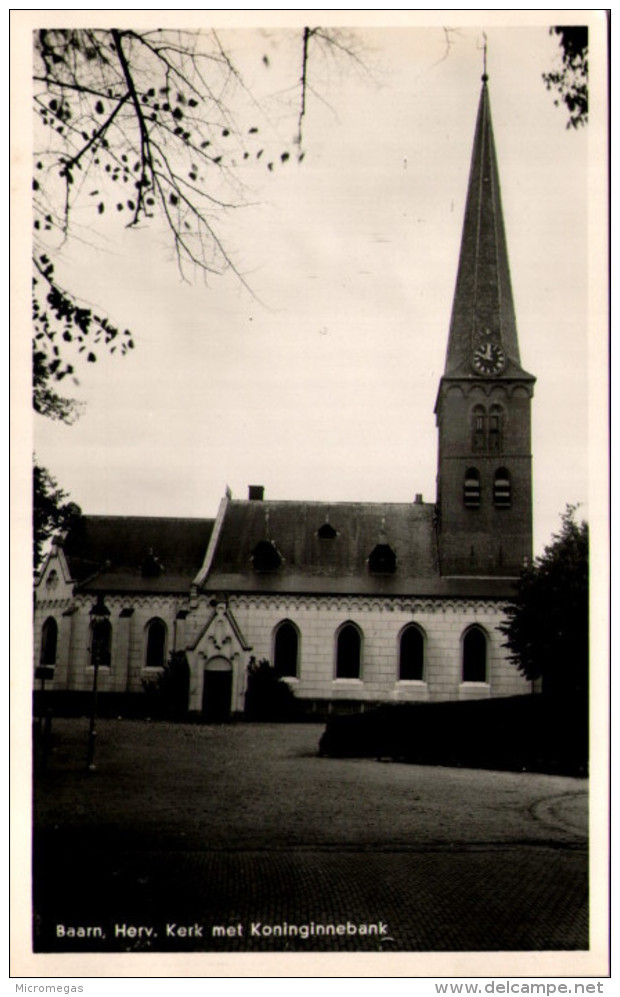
(488, 358)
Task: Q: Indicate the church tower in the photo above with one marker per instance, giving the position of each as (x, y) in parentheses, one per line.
(484, 482)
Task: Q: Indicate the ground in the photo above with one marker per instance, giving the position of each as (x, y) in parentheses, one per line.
(237, 830)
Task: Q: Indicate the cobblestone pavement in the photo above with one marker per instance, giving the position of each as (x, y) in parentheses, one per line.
(245, 838)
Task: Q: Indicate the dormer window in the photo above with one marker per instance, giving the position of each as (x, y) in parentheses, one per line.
(266, 557)
(326, 532)
(382, 560)
(151, 566)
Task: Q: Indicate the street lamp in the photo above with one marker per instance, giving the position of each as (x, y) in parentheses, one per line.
(99, 642)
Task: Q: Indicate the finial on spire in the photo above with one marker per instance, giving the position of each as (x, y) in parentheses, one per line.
(485, 76)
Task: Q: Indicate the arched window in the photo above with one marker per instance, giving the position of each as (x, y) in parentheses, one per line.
(479, 429)
(495, 429)
(285, 650)
(155, 644)
(502, 493)
(411, 657)
(52, 579)
(475, 655)
(471, 488)
(101, 643)
(348, 652)
(49, 641)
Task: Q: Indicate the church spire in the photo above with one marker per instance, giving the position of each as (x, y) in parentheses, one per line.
(483, 320)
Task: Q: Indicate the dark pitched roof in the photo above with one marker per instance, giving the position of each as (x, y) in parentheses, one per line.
(309, 564)
(136, 553)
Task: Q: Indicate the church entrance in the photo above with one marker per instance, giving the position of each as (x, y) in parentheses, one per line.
(217, 690)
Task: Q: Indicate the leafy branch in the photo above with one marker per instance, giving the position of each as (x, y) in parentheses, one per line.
(142, 126)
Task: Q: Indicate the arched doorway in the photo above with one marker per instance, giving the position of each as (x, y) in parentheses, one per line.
(217, 690)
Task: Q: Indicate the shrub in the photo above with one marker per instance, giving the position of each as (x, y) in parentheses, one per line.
(168, 694)
(268, 697)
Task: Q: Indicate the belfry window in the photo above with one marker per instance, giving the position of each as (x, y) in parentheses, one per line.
(479, 429)
(502, 492)
(471, 489)
(495, 429)
(411, 656)
(348, 652)
(155, 644)
(475, 655)
(326, 532)
(49, 641)
(285, 650)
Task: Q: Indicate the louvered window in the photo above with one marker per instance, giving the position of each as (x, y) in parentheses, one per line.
(471, 489)
(502, 497)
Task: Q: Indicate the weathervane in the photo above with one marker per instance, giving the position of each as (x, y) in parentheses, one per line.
(484, 58)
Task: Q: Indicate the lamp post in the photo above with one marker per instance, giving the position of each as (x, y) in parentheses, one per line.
(98, 615)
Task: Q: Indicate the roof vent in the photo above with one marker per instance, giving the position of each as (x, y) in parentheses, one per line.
(151, 565)
(266, 556)
(256, 493)
(418, 499)
(382, 560)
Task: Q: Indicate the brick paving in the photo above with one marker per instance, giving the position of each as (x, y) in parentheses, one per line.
(245, 830)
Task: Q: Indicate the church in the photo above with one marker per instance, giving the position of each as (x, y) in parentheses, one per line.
(352, 603)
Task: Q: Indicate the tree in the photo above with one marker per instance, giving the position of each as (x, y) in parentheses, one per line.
(571, 80)
(547, 629)
(147, 126)
(51, 511)
(152, 127)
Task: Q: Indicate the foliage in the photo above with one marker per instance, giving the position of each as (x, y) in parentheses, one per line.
(547, 631)
(482, 734)
(268, 697)
(168, 694)
(143, 126)
(571, 80)
(51, 511)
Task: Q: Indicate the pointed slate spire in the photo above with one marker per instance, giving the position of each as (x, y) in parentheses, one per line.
(483, 309)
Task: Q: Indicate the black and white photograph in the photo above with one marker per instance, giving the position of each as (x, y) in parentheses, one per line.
(314, 583)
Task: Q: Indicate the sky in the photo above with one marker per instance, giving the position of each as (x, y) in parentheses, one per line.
(321, 383)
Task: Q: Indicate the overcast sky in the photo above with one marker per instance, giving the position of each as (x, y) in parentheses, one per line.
(322, 386)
